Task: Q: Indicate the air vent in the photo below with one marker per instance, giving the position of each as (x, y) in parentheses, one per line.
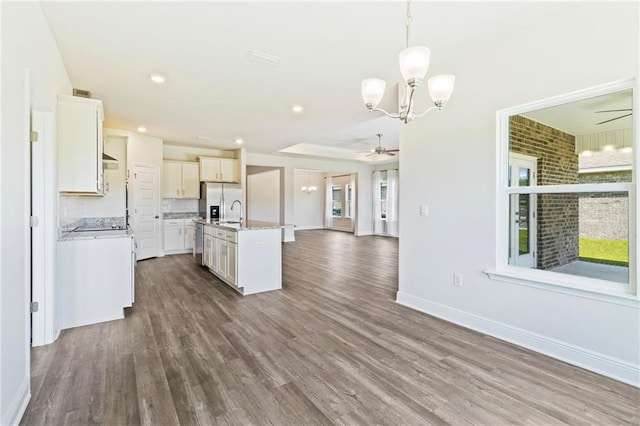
(262, 58)
(82, 93)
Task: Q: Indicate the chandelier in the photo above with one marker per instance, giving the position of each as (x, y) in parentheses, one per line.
(414, 62)
(308, 188)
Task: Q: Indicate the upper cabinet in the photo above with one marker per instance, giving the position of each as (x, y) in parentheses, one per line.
(180, 180)
(79, 126)
(219, 170)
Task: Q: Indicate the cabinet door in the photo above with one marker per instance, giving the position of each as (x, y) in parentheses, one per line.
(213, 249)
(173, 238)
(229, 170)
(190, 180)
(209, 169)
(221, 257)
(189, 236)
(79, 145)
(171, 180)
(206, 250)
(232, 256)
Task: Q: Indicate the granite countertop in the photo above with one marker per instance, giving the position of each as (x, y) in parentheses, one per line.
(183, 215)
(244, 226)
(87, 235)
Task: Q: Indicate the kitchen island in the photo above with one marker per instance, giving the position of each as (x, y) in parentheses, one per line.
(246, 256)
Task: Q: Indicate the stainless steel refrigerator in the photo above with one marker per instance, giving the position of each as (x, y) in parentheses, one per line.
(220, 195)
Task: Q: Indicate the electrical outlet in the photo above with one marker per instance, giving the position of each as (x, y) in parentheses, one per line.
(424, 210)
(457, 280)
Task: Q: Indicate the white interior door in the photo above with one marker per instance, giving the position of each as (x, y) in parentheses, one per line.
(146, 211)
(522, 212)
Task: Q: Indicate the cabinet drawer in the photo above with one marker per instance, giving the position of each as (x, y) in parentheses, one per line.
(210, 230)
(232, 236)
(173, 222)
(221, 233)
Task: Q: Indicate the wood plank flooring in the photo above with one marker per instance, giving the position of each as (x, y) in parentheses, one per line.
(331, 347)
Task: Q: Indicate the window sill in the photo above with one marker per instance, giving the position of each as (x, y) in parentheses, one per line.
(550, 282)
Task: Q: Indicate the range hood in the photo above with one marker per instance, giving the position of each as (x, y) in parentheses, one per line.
(107, 157)
(109, 163)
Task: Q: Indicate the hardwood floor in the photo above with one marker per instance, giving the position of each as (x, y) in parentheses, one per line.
(331, 347)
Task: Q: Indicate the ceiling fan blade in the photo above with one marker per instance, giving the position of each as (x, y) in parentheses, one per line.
(373, 153)
(613, 119)
(390, 154)
(393, 150)
(614, 110)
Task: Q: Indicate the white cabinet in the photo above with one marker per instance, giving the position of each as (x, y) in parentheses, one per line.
(249, 260)
(189, 234)
(180, 179)
(95, 279)
(232, 263)
(80, 145)
(179, 235)
(219, 170)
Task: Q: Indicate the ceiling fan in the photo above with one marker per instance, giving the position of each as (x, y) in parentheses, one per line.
(630, 110)
(380, 149)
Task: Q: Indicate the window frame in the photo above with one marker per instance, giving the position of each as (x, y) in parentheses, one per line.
(383, 213)
(554, 280)
(333, 190)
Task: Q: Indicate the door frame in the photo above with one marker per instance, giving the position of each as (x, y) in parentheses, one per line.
(515, 258)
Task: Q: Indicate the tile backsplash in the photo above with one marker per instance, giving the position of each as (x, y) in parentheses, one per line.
(69, 224)
(177, 205)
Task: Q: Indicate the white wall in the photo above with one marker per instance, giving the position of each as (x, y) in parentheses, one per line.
(449, 162)
(184, 153)
(263, 196)
(27, 45)
(363, 225)
(308, 209)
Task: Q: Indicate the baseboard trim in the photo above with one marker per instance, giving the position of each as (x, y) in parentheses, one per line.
(605, 365)
(308, 228)
(18, 405)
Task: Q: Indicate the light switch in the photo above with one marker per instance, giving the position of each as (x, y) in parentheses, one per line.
(424, 210)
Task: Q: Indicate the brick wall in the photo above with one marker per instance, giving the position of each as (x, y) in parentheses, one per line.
(606, 214)
(558, 217)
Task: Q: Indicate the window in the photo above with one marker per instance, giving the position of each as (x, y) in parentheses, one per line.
(348, 208)
(336, 201)
(564, 191)
(383, 200)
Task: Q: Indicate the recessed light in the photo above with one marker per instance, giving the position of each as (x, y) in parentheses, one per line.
(142, 129)
(607, 148)
(297, 109)
(157, 78)
(239, 141)
(627, 150)
(586, 153)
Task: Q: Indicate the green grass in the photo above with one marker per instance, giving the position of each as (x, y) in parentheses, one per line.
(613, 252)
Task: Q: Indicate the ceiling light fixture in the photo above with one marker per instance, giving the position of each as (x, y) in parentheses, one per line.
(157, 78)
(414, 62)
(627, 150)
(142, 129)
(297, 109)
(608, 148)
(239, 141)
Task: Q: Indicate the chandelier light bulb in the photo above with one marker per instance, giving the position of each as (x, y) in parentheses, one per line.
(414, 63)
(441, 88)
(373, 91)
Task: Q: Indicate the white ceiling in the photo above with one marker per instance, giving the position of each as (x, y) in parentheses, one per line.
(213, 91)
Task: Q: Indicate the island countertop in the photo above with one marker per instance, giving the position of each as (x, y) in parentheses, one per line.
(244, 226)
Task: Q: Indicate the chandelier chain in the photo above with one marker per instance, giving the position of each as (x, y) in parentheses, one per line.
(407, 23)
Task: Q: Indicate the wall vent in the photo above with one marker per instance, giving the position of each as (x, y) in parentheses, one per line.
(82, 93)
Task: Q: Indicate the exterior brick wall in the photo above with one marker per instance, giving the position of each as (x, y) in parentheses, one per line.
(605, 215)
(558, 217)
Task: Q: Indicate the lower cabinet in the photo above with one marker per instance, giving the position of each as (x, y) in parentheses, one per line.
(95, 279)
(179, 235)
(232, 263)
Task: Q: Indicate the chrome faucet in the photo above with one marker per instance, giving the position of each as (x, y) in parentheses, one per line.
(233, 204)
